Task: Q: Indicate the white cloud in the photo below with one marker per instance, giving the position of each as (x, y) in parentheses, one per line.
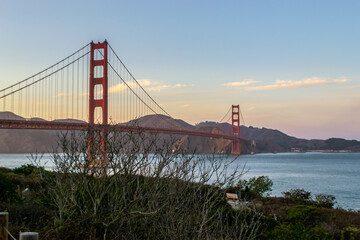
(165, 86)
(245, 82)
(147, 84)
(60, 95)
(117, 88)
(308, 82)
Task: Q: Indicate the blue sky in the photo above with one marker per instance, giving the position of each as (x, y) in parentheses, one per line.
(291, 65)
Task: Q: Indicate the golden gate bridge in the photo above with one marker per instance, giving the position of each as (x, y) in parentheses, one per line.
(94, 87)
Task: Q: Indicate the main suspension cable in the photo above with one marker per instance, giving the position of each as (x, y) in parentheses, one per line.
(30, 84)
(45, 69)
(225, 116)
(138, 82)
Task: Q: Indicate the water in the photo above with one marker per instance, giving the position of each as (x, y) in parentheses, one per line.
(337, 174)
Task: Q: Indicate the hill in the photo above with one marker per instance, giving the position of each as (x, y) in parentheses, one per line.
(272, 140)
(266, 140)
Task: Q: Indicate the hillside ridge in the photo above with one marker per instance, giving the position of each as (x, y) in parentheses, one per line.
(266, 140)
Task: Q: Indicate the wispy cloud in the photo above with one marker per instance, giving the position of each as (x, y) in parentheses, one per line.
(245, 82)
(85, 94)
(185, 106)
(117, 88)
(308, 82)
(147, 84)
(60, 95)
(165, 86)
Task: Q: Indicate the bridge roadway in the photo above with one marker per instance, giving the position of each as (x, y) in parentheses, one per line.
(45, 125)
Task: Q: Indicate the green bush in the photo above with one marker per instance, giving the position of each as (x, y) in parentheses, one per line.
(301, 222)
(258, 185)
(7, 190)
(302, 213)
(299, 231)
(5, 170)
(25, 169)
(297, 194)
(325, 200)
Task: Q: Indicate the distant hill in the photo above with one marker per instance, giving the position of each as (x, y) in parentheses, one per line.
(160, 121)
(266, 140)
(270, 140)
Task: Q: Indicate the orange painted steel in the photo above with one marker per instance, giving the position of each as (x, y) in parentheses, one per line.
(235, 129)
(94, 80)
(102, 103)
(45, 125)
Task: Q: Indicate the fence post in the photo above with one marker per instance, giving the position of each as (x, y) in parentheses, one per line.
(4, 220)
(29, 236)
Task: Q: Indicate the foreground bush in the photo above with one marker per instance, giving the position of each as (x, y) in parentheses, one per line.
(8, 191)
(141, 190)
(302, 222)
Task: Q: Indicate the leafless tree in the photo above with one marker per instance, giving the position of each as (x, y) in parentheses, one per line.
(141, 188)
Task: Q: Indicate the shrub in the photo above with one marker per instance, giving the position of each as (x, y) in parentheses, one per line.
(302, 213)
(325, 200)
(297, 194)
(299, 231)
(301, 223)
(25, 169)
(27, 217)
(7, 190)
(143, 190)
(258, 185)
(5, 170)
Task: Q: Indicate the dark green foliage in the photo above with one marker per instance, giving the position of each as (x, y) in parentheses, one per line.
(325, 200)
(299, 231)
(297, 194)
(142, 217)
(302, 222)
(27, 217)
(304, 197)
(5, 170)
(8, 190)
(25, 169)
(258, 185)
(302, 213)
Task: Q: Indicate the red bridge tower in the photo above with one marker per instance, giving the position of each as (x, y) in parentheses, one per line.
(235, 129)
(98, 76)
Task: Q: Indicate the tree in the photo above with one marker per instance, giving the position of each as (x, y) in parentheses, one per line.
(259, 186)
(143, 189)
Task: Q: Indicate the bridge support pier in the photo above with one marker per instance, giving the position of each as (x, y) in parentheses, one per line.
(235, 129)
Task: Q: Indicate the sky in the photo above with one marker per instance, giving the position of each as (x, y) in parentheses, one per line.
(290, 65)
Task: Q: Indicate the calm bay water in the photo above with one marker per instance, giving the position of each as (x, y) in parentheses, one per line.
(337, 174)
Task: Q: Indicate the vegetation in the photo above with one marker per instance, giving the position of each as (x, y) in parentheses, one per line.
(302, 196)
(325, 200)
(7, 190)
(297, 194)
(259, 186)
(141, 189)
(149, 190)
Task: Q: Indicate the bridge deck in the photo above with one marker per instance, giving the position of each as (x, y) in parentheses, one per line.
(45, 125)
